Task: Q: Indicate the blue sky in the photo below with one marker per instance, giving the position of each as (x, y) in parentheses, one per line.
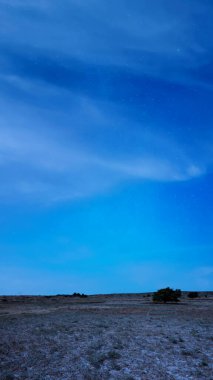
(106, 146)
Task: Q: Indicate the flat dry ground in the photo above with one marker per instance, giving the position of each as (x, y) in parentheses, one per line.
(106, 337)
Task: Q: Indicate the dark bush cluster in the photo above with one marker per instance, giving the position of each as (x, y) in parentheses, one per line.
(166, 295)
(81, 295)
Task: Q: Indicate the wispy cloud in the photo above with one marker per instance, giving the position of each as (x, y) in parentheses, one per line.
(81, 89)
(39, 166)
(105, 97)
(162, 44)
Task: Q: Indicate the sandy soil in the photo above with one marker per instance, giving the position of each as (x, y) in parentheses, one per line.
(122, 337)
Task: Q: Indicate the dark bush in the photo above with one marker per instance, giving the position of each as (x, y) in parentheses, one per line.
(84, 295)
(166, 295)
(79, 295)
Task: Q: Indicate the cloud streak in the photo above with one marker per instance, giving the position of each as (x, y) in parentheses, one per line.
(123, 35)
(41, 167)
(90, 93)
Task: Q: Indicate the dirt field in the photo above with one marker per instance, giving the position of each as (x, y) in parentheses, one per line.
(122, 337)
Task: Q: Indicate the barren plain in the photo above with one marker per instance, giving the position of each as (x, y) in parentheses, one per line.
(120, 337)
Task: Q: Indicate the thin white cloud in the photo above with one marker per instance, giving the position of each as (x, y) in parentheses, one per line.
(162, 44)
(45, 165)
(40, 167)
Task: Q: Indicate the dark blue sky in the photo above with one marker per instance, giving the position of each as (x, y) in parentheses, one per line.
(106, 145)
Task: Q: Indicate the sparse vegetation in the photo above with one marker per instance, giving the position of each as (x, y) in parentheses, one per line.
(105, 337)
(81, 295)
(204, 363)
(166, 295)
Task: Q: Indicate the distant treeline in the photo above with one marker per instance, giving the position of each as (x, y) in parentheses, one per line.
(79, 295)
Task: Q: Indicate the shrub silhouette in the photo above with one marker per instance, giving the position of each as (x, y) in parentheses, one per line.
(192, 295)
(166, 295)
(79, 295)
